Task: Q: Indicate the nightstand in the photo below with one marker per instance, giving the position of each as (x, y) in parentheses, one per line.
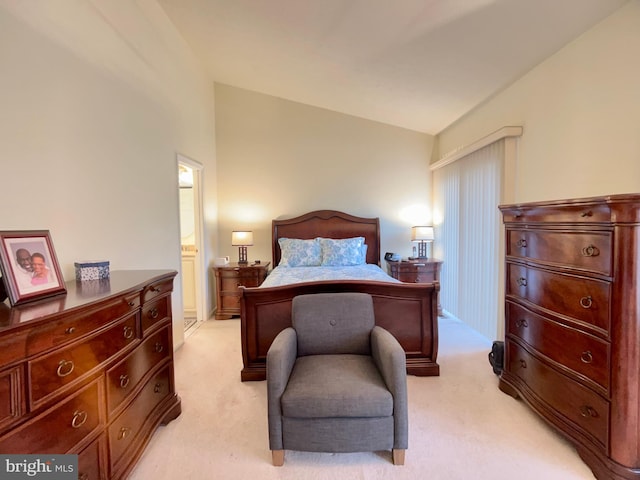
(417, 271)
(228, 279)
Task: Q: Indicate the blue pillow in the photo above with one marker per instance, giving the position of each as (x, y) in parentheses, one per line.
(343, 252)
(299, 253)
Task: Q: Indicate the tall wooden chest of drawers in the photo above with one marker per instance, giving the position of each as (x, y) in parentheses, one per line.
(572, 333)
(89, 372)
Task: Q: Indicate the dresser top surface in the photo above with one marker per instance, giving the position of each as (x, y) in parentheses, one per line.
(79, 295)
(623, 198)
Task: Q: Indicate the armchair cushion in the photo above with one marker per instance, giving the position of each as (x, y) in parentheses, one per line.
(325, 386)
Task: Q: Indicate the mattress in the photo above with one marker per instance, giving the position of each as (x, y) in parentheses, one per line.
(280, 276)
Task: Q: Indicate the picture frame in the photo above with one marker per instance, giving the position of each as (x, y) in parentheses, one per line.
(30, 268)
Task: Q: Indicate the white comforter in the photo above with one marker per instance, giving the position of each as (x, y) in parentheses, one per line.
(287, 275)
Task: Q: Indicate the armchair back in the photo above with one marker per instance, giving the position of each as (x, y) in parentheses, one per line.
(333, 323)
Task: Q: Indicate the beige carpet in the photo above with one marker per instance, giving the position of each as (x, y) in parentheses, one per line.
(461, 427)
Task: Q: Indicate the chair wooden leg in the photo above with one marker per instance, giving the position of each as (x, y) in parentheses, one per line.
(277, 457)
(398, 456)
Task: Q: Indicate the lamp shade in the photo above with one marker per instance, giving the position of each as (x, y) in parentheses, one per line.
(241, 238)
(422, 233)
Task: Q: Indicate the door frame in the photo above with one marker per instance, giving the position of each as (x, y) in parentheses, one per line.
(198, 206)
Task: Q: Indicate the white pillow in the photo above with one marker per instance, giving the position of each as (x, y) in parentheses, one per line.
(343, 252)
(295, 252)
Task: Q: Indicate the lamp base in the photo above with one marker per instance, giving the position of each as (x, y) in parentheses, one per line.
(242, 255)
(422, 249)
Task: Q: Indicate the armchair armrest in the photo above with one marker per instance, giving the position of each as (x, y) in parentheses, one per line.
(280, 359)
(391, 360)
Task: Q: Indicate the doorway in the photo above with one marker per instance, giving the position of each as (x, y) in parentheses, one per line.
(191, 226)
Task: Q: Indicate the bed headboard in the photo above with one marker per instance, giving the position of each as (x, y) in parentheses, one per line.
(328, 224)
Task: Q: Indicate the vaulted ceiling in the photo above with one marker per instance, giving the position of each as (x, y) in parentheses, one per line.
(416, 64)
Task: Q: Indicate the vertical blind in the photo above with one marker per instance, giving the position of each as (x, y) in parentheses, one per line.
(467, 193)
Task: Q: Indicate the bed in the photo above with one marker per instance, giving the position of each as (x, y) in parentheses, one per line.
(408, 311)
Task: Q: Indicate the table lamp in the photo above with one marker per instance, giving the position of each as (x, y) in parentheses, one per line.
(242, 239)
(422, 234)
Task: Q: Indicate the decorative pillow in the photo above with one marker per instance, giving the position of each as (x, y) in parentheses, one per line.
(295, 252)
(343, 252)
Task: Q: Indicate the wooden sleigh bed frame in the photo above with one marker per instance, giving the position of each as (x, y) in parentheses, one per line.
(408, 311)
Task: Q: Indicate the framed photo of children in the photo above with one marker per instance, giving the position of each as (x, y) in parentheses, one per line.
(30, 269)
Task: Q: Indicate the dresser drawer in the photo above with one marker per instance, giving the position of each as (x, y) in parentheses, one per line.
(123, 378)
(49, 373)
(549, 213)
(156, 289)
(92, 460)
(12, 396)
(60, 428)
(72, 327)
(155, 312)
(585, 354)
(583, 299)
(585, 250)
(129, 427)
(584, 408)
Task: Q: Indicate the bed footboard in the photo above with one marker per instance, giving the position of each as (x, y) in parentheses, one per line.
(408, 311)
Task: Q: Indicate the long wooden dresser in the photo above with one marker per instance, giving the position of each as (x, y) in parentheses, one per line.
(89, 372)
(572, 333)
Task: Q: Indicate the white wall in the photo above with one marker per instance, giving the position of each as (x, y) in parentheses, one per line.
(279, 159)
(97, 98)
(581, 115)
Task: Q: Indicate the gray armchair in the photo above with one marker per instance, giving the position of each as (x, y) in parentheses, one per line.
(336, 382)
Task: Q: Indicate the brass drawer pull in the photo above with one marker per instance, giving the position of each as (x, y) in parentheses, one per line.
(124, 433)
(132, 304)
(586, 302)
(128, 332)
(523, 363)
(65, 367)
(79, 417)
(155, 289)
(590, 251)
(159, 348)
(588, 411)
(522, 243)
(522, 282)
(153, 313)
(70, 330)
(157, 388)
(586, 357)
(588, 213)
(124, 380)
(522, 323)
